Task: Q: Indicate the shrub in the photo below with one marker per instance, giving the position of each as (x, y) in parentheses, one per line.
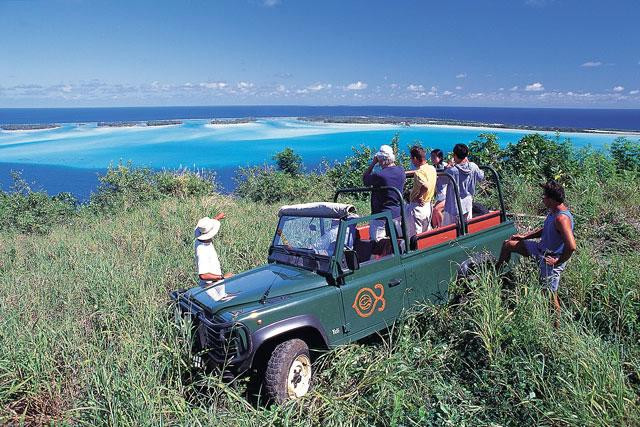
(124, 187)
(538, 157)
(184, 183)
(30, 211)
(288, 162)
(348, 173)
(626, 154)
(486, 151)
(265, 184)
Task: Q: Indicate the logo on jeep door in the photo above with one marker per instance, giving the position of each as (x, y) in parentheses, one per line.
(367, 300)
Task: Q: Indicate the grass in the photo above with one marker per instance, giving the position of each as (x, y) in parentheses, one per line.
(88, 335)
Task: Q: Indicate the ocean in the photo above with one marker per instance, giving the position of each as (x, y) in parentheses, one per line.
(70, 157)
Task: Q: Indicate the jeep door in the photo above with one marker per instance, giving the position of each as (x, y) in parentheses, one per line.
(373, 294)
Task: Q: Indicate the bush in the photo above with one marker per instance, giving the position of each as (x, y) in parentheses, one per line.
(30, 211)
(348, 173)
(124, 187)
(486, 151)
(626, 154)
(184, 183)
(265, 184)
(539, 158)
(289, 162)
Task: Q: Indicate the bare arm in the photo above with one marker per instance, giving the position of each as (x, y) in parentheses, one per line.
(563, 225)
(532, 235)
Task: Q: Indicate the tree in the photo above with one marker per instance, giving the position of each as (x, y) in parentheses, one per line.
(288, 162)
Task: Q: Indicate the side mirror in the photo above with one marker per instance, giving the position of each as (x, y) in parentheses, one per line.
(351, 258)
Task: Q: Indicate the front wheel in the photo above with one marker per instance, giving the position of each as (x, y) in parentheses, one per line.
(288, 374)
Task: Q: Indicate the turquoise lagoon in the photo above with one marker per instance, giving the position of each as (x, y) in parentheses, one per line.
(57, 159)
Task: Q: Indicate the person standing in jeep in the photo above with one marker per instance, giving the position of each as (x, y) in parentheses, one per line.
(466, 174)
(424, 184)
(391, 175)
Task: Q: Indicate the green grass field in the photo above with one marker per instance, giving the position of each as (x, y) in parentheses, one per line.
(88, 334)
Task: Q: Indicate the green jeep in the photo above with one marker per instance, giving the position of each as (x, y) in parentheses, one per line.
(317, 294)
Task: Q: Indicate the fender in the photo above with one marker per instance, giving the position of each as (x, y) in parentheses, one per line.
(262, 335)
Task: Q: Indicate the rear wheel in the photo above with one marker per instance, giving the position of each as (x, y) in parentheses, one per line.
(288, 373)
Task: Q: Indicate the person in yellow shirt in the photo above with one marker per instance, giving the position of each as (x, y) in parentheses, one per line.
(424, 185)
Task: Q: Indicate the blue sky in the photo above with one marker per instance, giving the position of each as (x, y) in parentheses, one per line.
(546, 53)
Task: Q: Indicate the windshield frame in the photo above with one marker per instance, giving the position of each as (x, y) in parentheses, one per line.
(305, 258)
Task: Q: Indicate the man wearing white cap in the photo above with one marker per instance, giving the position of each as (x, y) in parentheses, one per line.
(207, 263)
(390, 175)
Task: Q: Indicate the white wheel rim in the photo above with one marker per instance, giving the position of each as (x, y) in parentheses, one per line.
(299, 377)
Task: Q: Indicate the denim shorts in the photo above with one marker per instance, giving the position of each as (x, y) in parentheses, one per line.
(549, 276)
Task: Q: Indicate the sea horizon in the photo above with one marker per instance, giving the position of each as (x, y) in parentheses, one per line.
(619, 119)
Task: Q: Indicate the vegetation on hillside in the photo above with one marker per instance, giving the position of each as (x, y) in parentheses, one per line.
(88, 335)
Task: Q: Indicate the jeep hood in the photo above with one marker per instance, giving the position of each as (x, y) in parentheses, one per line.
(250, 286)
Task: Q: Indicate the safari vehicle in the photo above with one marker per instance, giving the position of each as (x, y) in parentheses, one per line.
(327, 283)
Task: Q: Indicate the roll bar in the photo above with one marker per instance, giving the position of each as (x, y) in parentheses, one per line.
(503, 213)
(372, 189)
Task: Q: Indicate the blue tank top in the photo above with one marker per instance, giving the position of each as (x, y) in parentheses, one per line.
(551, 238)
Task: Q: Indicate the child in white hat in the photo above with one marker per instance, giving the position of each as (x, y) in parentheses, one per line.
(207, 262)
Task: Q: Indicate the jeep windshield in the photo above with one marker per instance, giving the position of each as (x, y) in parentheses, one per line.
(307, 242)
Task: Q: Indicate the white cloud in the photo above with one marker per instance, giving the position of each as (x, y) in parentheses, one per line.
(534, 87)
(357, 86)
(415, 88)
(213, 85)
(591, 64)
(458, 87)
(447, 93)
(461, 76)
(618, 88)
(66, 88)
(281, 88)
(513, 89)
(394, 85)
(501, 89)
(634, 92)
(433, 91)
(319, 86)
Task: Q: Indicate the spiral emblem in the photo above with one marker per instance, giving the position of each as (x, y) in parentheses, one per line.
(367, 301)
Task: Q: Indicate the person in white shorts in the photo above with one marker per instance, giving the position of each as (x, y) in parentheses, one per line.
(424, 184)
(207, 262)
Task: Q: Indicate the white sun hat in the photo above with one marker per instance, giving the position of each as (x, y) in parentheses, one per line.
(207, 228)
(386, 153)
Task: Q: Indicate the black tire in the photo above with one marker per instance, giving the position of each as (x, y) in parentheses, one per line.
(472, 267)
(281, 366)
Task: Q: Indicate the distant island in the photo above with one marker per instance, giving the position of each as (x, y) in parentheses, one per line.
(164, 122)
(42, 126)
(117, 124)
(233, 121)
(409, 121)
(150, 123)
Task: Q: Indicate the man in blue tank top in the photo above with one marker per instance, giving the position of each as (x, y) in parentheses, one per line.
(556, 244)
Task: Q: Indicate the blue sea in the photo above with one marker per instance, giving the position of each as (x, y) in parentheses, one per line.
(70, 157)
